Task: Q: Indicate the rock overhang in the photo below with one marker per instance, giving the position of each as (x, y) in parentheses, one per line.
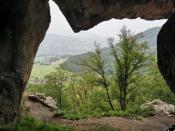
(84, 14)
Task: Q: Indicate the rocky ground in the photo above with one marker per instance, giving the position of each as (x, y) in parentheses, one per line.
(156, 123)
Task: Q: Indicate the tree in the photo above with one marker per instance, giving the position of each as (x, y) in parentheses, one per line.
(95, 63)
(80, 90)
(130, 57)
(57, 80)
(72, 92)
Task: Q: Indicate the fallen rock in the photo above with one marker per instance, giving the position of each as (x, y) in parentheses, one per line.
(160, 107)
(43, 99)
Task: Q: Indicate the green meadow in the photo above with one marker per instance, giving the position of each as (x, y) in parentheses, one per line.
(41, 70)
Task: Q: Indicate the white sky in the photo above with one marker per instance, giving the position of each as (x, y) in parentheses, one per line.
(111, 28)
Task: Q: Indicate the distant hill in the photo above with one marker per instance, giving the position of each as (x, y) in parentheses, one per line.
(54, 45)
(149, 35)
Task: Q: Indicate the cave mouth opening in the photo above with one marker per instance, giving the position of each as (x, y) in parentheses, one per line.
(61, 45)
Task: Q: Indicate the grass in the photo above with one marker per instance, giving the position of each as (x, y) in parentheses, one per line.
(131, 112)
(30, 124)
(39, 71)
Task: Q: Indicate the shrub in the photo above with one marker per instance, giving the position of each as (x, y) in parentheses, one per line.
(72, 116)
(60, 113)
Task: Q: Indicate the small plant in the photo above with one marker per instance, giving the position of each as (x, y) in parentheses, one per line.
(72, 117)
(59, 114)
(30, 124)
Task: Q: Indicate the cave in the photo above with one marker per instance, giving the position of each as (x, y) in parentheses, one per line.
(24, 24)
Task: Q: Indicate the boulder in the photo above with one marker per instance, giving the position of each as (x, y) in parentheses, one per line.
(160, 107)
(43, 99)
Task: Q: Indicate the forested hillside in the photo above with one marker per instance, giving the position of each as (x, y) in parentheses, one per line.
(149, 35)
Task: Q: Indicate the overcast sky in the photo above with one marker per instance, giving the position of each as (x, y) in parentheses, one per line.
(111, 28)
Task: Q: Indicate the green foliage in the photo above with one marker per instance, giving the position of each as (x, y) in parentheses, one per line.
(83, 99)
(57, 80)
(73, 116)
(91, 92)
(31, 124)
(153, 86)
(42, 88)
(130, 57)
(95, 64)
(136, 111)
(148, 35)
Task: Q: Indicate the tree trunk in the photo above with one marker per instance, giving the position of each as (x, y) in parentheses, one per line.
(60, 100)
(123, 95)
(109, 99)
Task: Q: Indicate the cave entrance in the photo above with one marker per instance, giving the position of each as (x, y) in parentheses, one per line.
(62, 46)
(24, 25)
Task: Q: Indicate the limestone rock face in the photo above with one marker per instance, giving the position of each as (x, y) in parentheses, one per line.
(23, 26)
(84, 14)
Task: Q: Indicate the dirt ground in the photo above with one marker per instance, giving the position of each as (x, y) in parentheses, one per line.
(158, 123)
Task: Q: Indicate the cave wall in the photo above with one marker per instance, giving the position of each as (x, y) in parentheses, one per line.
(23, 26)
(166, 51)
